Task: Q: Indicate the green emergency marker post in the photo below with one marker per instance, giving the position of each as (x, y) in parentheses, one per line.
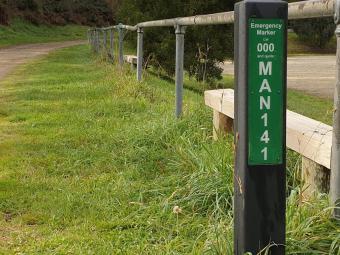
(260, 126)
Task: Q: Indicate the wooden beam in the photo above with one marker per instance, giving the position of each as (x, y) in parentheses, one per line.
(222, 124)
(311, 138)
(315, 178)
(130, 59)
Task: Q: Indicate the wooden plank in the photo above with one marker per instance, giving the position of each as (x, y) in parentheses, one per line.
(221, 100)
(130, 59)
(310, 138)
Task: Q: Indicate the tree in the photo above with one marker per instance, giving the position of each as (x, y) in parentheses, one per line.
(4, 19)
(205, 47)
(315, 32)
(87, 12)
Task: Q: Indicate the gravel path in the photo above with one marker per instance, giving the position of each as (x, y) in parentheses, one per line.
(314, 75)
(11, 57)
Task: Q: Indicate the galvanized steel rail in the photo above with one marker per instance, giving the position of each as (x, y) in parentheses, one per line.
(297, 10)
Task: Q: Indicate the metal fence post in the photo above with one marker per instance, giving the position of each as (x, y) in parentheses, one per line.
(121, 50)
(105, 39)
(91, 39)
(92, 35)
(335, 157)
(111, 43)
(139, 53)
(94, 39)
(97, 41)
(180, 31)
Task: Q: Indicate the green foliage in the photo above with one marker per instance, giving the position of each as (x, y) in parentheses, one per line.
(311, 106)
(61, 12)
(315, 32)
(297, 46)
(205, 47)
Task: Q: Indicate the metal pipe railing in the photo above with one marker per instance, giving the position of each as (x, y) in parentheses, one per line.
(209, 19)
(297, 10)
(311, 9)
(126, 27)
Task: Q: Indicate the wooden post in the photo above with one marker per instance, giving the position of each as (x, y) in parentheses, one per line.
(315, 177)
(111, 54)
(222, 124)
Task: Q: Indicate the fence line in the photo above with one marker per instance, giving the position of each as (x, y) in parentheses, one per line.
(297, 10)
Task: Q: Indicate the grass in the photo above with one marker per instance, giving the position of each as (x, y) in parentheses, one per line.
(311, 106)
(92, 162)
(22, 32)
(298, 47)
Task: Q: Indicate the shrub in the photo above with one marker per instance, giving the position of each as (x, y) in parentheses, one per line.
(316, 32)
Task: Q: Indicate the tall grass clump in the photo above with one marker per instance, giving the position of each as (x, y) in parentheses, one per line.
(208, 187)
(310, 227)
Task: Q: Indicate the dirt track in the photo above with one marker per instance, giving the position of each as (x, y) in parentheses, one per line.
(314, 75)
(11, 57)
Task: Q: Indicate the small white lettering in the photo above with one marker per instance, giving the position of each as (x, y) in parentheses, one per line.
(265, 86)
(265, 103)
(265, 69)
